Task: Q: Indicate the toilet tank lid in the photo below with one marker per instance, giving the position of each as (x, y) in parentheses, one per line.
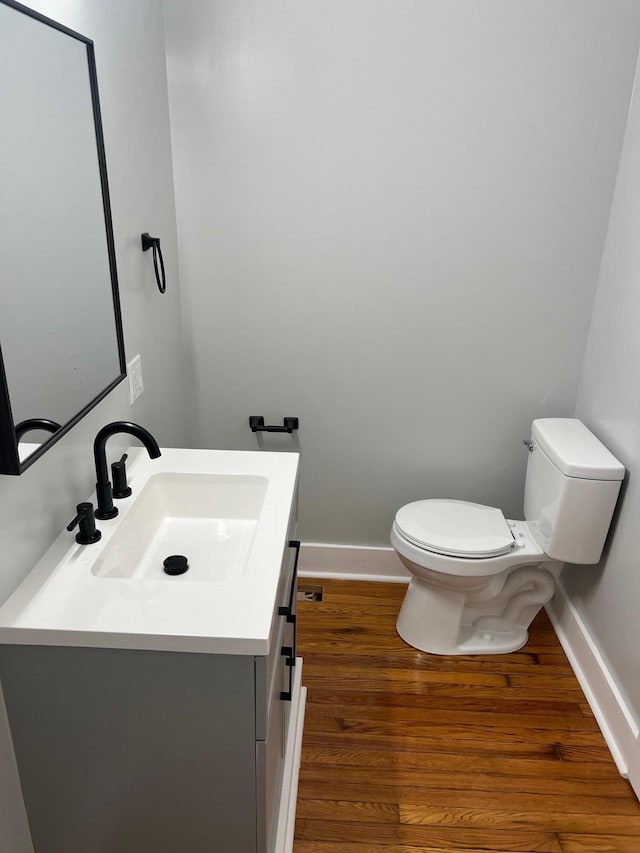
(575, 450)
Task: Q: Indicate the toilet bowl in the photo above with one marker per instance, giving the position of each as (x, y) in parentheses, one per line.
(459, 605)
(478, 579)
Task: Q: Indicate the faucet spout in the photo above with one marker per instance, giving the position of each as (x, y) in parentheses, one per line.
(105, 508)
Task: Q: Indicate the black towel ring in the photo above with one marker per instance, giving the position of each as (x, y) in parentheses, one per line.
(149, 242)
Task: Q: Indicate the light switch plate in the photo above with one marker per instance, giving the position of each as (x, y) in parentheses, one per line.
(134, 372)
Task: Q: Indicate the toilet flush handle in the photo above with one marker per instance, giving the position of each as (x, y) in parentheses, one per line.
(528, 444)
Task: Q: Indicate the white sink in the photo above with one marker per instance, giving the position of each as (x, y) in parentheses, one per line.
(228, 512)
(210, 519)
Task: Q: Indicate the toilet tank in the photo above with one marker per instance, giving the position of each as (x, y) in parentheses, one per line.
(571, 490)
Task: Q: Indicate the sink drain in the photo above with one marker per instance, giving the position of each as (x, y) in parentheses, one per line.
(176, 564)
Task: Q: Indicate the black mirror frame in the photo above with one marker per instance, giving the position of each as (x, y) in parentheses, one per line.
(9, 459)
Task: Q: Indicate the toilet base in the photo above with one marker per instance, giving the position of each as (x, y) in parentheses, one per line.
(475, 644)
(492, 619)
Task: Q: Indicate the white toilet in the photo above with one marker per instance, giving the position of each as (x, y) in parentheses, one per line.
(478, 578)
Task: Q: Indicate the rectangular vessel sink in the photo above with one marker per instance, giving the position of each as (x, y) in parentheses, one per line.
(208, 518)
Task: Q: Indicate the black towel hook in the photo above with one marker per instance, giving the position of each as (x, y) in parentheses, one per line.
(149, 242)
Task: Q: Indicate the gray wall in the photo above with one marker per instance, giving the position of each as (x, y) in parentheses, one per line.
(391, 217)
(607, 595)
(129, 43)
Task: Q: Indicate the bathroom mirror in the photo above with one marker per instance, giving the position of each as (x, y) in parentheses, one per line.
(61, 344)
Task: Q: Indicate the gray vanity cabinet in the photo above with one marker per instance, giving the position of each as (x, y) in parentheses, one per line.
(135, 751)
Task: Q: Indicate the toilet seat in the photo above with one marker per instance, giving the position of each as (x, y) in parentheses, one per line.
(456, 528)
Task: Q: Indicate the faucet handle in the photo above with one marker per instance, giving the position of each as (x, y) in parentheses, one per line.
(119, 478)
(86, 520)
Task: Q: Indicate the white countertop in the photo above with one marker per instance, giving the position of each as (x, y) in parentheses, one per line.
(62, 602)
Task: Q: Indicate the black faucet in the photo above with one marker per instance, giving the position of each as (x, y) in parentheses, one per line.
(86, 521)
(105, 508)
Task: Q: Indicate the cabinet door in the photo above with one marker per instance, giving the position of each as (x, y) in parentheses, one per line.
(132, 751)
(270, 755)
(283, 633)
(289, 647)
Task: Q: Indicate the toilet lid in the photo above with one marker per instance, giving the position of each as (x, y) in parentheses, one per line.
(456, 528)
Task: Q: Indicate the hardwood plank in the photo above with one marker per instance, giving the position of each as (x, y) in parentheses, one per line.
(318, 719)
(427, 676)
(365, 618)
(349, 847)
(369, 641)
(452, 762)
(353, 811)
(396, 742)
(597, 844)
(425, 713)
(398, 686)
(521, 819)
(482, 802)
(452, 691)
(405, 664)
(358, 676)
(425, 690)
(466, 781)
(358, 589)
(553, 657)
(568, 752)
(341, 611)
(519, 665)
(373, 847)
(325, 828)
(541, 678)
(422, 698)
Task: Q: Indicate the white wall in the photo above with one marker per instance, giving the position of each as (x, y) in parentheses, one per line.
(129, 44)
(607, 596)
(391, 218)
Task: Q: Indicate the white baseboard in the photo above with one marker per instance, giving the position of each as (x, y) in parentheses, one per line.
(350, 562)
(603, 695)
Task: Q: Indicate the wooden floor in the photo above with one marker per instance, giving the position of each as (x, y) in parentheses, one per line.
(406, 752)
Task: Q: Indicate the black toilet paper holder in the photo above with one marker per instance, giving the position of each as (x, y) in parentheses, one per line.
(257, 424)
